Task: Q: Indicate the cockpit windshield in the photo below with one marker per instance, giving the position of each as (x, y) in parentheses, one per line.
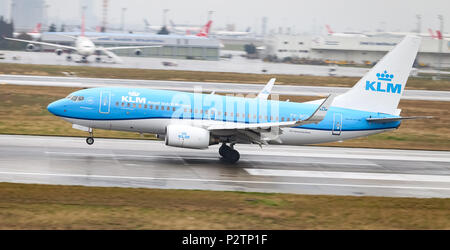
(75, 98)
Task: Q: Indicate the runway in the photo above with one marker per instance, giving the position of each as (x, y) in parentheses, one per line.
(276, 169)
(218, 87)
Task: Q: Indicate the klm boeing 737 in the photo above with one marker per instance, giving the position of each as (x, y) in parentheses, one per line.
(195, 120)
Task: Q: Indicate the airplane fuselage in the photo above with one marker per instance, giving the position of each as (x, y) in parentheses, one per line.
(151, 111)
(84, 46)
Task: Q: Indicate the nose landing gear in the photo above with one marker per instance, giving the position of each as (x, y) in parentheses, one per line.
(228, 153)
(90, 139)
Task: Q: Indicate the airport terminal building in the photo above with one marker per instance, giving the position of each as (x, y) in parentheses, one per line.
(173, 46)
(352, 49)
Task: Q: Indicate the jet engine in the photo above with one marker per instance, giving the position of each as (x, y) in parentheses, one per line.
(58, 51)
(138, 52)
(185, 136)
(30, 47)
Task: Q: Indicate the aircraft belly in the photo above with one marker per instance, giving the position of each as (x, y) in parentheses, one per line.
(296, 136)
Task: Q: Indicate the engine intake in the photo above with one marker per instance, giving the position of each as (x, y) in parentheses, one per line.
(187, 137)
(30, 46)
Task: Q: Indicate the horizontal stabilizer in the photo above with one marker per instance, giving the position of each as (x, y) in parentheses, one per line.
(394, 119)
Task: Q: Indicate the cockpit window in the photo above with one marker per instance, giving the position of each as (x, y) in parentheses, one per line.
(75, 98)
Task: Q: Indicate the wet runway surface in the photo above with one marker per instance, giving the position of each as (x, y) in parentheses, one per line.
(278, 169)
(205, 86)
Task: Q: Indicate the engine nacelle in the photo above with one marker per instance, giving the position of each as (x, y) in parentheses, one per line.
(58, 51)
(30, 47)
(138, 52)
(185, 136)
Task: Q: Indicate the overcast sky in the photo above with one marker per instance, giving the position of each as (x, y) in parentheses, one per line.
(301, 16)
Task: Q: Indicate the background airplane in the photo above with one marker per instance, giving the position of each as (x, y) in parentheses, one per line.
(194, 120)
(84, 47)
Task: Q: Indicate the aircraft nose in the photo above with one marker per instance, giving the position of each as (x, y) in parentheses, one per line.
(55, 107)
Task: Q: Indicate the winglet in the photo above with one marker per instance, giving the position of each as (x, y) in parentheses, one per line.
(265, 92)
(321, 111)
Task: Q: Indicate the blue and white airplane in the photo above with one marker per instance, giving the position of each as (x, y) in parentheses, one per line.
(195, 120)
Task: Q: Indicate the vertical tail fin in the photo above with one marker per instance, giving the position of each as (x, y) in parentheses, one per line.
(205, 30)
(381, 88)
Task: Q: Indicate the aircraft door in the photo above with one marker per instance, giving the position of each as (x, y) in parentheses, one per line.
(337, 124)
(105, 102)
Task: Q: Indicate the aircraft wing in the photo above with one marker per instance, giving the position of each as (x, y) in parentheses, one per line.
(131, 47)
(260, 133)
(42, 43)
(265, 92)
(394, 119)
(316, 117)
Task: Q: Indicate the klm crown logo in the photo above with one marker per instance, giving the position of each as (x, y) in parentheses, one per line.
(384, 84)
(183, 136)
(134, 93)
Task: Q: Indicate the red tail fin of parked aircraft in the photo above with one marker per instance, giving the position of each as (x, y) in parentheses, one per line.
(432, 34)
(205, 30)
(439, 34)
(37, 29)
(330, 32)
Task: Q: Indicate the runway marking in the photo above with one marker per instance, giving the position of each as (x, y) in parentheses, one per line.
(224, 180)
(204, 158)
(142, 156)
(348, 175)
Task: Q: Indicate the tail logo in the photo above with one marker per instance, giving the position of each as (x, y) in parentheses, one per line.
(384, 84)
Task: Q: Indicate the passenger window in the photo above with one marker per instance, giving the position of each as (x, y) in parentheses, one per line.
(173, 109)
(288, 119)
(282, 119)
(140, 105)
(151, 106)
(123, 104)
(185, 110)
(74, 98)
(168, 108)
(206, 112)
(117, 103)
(128, 104)
(145, 106)
(80, 98)
(156, 107)
(162, 108)
(134, 105)
(220, 113)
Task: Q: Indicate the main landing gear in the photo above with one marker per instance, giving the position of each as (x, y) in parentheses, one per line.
(90, 139)
(228, 153)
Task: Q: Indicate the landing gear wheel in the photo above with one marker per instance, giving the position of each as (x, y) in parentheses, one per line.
(222, 149)
(90, 140)
(229, 154)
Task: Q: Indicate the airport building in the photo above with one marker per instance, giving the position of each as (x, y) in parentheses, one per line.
(173, 46)
(352, 49)
(27, 13)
